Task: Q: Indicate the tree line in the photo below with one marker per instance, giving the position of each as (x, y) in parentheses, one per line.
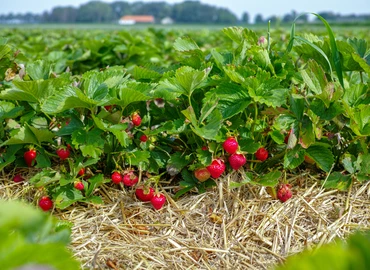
(185, 12)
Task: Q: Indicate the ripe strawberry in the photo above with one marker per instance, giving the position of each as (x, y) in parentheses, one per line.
(108, 107)
(130, 179)
(116, 177)
(144, 194)
(18, 178)
(143, 138)
(262, 154)
(136, 119)
(237, 160)
(284, 193)
(204, 148)
(230, 145)
(30, 156)
(79, 185)
(202, 174)
(63, 153)
(45, 203)
(158, 201)
(81, 172)
(216, 168)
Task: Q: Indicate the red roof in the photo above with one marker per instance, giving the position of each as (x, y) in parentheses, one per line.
(138, 18)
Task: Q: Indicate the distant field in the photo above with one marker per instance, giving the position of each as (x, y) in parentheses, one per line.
(311, 27)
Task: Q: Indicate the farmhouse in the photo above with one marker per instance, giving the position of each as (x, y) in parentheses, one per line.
(132, 19)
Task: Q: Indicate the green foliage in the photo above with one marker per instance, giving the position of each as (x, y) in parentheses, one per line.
(29, 236)
(191, 91)
(341, 254)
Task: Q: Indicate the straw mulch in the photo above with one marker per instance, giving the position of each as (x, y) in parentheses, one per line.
(242, 228)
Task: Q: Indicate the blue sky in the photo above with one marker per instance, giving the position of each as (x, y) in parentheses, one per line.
(266, 7)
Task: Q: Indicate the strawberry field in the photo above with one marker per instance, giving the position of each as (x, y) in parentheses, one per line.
(216, 148)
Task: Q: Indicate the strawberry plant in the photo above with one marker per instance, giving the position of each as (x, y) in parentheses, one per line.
(198, 113)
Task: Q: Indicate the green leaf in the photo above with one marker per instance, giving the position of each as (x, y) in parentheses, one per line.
(294, 157)
(232, 99)
(245, 179)
(270, 179)
(190, 79)
(38, 70)
(204, 157)
(210, 130)
(29, 135)
(322, 156)
(267, 90)
(66, 195)
(337, 180)
(178, 161)
(90, 143)
(137, 157)
(360, 119)
(297, 105)
(364, 65)
(334, 50)
(119, 131)
(94, 182)
(348, 162)
(248, 145)
(45, 177)
(351, 253)
(128, 96)
(185, 44)
(365, 164)
(73, 125)
(326, 112)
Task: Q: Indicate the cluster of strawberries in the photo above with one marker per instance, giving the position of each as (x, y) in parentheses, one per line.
(237, 160)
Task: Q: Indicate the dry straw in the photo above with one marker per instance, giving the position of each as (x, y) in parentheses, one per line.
(221, 229)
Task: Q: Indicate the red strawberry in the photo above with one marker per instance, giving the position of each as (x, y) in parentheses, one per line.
(237, 160)
(262, 154)
(144, 194)
(46, 203)
(108, 107)
(202, 174)
(158, 201)
(143, 138)
(230, 145)
(204, 148)
(116, 177)
(284, 193)
(81, 172)
(136, 119)
(79, 185)
(130, 179)
(216, 168)
(63, 153)
(30, 156)
(18, 178)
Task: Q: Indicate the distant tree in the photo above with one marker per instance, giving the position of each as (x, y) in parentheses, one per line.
(95, 11)
(120, 8)
(63, 15)
(258, 19)
(195, 12)
(245, 17)
(157, 9)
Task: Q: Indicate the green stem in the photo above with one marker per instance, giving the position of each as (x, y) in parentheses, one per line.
(268, 36)
(349, 194)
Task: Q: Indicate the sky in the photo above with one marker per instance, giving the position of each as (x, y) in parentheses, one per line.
(265, 7)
